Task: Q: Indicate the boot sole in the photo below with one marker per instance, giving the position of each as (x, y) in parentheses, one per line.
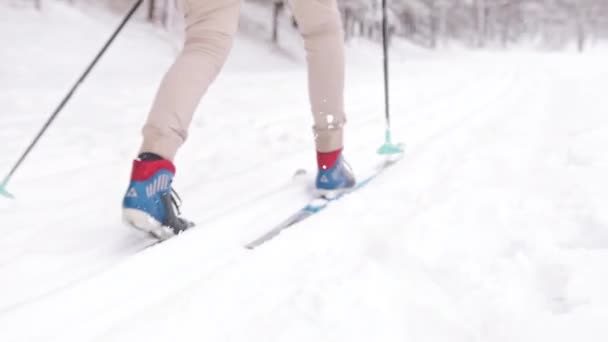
(140, 220)
(332, 194)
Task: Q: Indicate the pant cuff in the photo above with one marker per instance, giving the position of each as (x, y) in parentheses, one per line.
(159, 142)
(329, 140)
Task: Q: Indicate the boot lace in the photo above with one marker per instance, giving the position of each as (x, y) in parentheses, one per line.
(176, 200)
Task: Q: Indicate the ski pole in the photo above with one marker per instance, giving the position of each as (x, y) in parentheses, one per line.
(388, 147)
(385, 58)
(4, 184)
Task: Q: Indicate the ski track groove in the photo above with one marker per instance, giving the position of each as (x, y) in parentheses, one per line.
(286, 293)
(239, 258)
(217, 215)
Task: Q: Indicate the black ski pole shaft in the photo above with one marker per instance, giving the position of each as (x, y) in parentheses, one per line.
(385, 43)
(71, 92)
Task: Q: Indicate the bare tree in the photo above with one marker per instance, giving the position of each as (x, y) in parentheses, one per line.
(277, 8)
(431, 23)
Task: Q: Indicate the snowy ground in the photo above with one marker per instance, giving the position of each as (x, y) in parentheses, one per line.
(494, 228)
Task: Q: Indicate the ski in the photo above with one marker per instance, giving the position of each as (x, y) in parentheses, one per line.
(297, 179)
(318, 204)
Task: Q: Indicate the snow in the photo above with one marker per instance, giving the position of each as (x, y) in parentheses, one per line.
(493, 228)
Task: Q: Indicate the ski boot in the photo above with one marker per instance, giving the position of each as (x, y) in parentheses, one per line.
(335, 176)
(150, 204)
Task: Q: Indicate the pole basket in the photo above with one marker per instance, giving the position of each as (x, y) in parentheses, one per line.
(4, 192)
(390, 148)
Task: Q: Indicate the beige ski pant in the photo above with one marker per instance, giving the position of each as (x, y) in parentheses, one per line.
(210, 27)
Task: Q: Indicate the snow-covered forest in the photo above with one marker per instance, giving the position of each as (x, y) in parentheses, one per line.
(553, 24)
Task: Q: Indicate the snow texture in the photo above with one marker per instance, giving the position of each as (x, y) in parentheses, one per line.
(493, 228)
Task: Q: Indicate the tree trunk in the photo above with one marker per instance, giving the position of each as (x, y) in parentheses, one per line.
(480, 14)
(580, 28)
(151, 9)
(347, 18)
(433, 27)
(442, 24)
(506, 25)
(277, 8)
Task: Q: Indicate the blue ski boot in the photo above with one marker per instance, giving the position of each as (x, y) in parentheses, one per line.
(335, 175)
(150, 204)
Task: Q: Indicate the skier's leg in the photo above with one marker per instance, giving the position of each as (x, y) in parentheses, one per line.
(210, 27)
(320, 25)
(150, 204)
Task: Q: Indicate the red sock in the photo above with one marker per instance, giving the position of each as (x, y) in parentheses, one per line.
(144, 169)
(327, 160)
